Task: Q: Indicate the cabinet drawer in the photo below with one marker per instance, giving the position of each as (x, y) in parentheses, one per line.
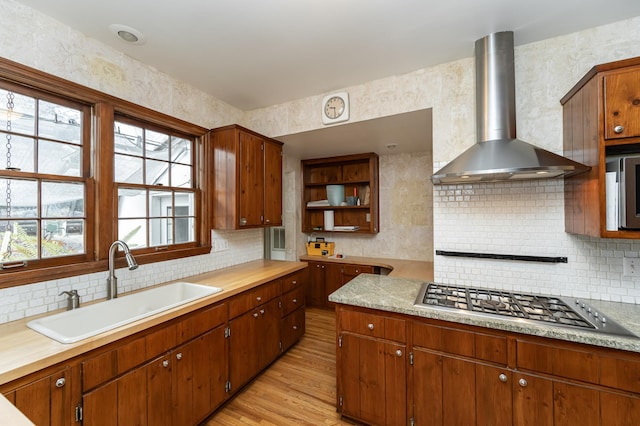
(292, 300)
(251, 298)
(373, 325)
(294, 280)
(357, 269)
(201, 322)
(620, 373)
(482, 346)
(562, 362)
(292, 326)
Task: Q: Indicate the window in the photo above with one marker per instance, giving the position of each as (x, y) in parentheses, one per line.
(153, 171)
(43, 178)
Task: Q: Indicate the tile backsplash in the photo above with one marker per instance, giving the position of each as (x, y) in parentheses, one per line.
(33, 299)
(526, 218)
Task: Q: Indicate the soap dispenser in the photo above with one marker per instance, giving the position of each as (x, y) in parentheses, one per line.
(73, 300)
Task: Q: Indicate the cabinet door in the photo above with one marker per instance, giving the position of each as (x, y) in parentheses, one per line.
(619, 409)
(267, 342)
(46, 401)
(532, 400)
(272, 184)
(427, 387)
(292, 328)
(493, 396)
(372, 377)
(251, 179)
(120, 402)
(316, 286)
(622, 104)
(159, 395)
(332, 282)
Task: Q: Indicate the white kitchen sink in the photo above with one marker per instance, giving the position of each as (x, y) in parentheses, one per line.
(75, 325)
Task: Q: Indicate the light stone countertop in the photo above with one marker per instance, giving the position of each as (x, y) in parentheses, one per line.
(395, 294)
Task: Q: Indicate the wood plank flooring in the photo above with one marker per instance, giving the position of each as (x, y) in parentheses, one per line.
(298, 389)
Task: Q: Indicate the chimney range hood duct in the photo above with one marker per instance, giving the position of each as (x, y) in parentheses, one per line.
(498, 155)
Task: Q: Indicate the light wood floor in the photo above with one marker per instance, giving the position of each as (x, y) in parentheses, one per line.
(299, 388)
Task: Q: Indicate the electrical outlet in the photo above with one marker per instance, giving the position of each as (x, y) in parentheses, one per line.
(220, 245)
(630, 266)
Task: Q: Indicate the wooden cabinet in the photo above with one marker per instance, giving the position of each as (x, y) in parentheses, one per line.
(371, 367)
(47, 400)
(254, 330)
(359, 175)
(327, 277)
(601, 118)
(175, 375)
(245, 176)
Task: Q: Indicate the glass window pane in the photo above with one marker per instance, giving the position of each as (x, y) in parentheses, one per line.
(160, 204)
(156, 145)
(62, 237)
(133, 232)
(157, 173)
(181, 176)
(160, 232)
(185, 229)
(22, 114)
(20, 241)
(127, 169)
(127, 139)
(62, 200)
(132, 202)
(22, 199)
(22, 153)
(180, 150)
(59, 158)
(59, 122)
(185, 205)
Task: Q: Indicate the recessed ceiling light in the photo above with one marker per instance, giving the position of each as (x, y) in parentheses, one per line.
(127, 34)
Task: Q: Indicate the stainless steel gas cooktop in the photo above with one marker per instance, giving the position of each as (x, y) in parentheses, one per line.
(524, 307)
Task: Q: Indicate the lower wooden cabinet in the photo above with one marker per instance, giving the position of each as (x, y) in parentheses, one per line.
(47, 400)
(465, 375)
(327, 277)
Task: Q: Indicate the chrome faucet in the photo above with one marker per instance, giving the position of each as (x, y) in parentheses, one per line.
(112, 281)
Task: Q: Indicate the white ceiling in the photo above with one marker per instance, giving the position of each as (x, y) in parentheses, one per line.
(256, 53)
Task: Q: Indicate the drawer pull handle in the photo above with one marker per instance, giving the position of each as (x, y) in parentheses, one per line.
(179, 355)
(60, 382)
(398, 352)
(503, 377)
(165, 363)
(370, 326)
(618, 129)
(523, 383)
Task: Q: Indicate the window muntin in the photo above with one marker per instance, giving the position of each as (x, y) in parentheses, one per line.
(42, 187)
(153, 171)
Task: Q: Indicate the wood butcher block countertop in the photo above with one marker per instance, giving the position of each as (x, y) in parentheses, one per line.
(24, 351)
(413, 269)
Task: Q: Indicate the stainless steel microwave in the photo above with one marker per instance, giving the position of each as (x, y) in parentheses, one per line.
(627, 169)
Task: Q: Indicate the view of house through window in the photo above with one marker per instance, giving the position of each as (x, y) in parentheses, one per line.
(154, 179)
(42, 190)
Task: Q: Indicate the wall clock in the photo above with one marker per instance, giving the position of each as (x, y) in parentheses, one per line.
(335, 108)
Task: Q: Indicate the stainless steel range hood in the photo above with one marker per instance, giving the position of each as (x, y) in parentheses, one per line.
(498, 155)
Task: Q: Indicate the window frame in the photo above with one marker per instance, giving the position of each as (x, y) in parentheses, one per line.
(101, 214)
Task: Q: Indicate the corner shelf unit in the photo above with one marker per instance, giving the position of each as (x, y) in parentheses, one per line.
(357, 173)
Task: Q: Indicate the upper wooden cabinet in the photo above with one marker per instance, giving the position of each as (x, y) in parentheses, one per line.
(244, 170)
(359, 175)
(601, 117)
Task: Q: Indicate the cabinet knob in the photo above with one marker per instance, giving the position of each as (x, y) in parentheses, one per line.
(523, 383)
(267, 221)
(60, 382)
(165, 363)
(295, 327)
(179, 355)
(243, 221)
(259, 299)
(295, 300)
(255, 315)
(503, 377)
(370, 326)
(261, 311)
(618, 129)
(294, 282)
(398, 352)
